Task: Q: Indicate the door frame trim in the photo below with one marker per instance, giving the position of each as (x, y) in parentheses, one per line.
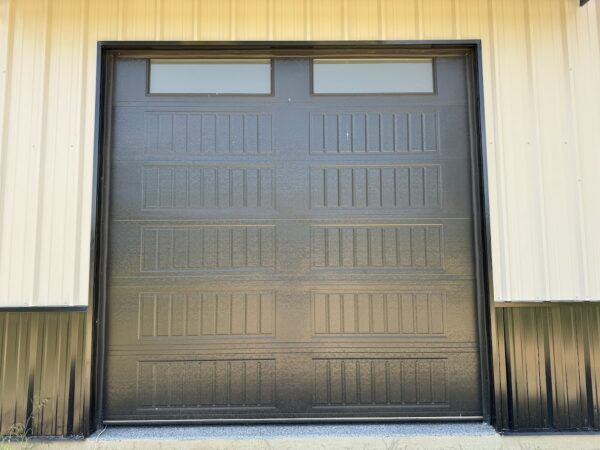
(108, 50)
(298, 420)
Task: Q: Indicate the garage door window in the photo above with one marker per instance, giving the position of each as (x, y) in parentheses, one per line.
(216, 76)
(373, 76)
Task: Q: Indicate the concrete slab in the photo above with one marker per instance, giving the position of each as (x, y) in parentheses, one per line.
(459, 436)
(293, 431)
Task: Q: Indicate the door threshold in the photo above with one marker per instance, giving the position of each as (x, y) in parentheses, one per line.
(284, 420)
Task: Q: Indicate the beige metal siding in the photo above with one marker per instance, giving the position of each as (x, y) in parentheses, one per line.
(541, 70)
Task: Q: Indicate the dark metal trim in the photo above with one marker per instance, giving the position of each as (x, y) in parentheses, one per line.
(241, 48)
(542, 304)
(103, 114)
(49, 308)
(481, 222)
(94, 350)
(106, 50)
(298, 420)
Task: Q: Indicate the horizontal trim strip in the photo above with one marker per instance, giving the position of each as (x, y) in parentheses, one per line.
(543, 303)
(297, 420)
(42, 309)
(353, 353)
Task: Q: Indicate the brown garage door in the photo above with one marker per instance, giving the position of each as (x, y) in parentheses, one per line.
(290, 255)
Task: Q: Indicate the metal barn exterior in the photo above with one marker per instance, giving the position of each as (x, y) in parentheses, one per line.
(280, 210)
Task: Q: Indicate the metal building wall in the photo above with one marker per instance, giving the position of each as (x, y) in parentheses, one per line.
(541, 64)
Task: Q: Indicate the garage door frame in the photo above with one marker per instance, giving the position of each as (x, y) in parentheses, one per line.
(106, 53)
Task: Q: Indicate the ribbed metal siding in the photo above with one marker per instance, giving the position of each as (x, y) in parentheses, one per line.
(548, 367)
(43, 356)
(541, 66)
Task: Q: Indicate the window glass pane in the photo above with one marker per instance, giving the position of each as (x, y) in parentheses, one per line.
(210, 76)
(372, 76)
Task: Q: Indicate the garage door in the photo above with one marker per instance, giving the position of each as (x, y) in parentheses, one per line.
(297, 246)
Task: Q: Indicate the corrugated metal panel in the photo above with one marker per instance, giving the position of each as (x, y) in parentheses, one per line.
(44, 359)
(541, 66)
(548, 367)
(583, 50)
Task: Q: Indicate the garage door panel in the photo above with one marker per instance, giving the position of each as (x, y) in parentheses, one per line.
(440, 247)
(291, 80)
(282, 250)
(129, 84)
(409, 190)
(322, 384)
(426, 134)
(368, 129)
(450, 78)
(384, 102)
(168, 133)
(401, 313)
(192, 385)
(290, 129)
(153, 248)
(161, 189)
(421, 384)
(169, 315)
(181, 248)
(375, 186)
(293, 248)
(176, 316)
(368, 132)
(291, 255)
